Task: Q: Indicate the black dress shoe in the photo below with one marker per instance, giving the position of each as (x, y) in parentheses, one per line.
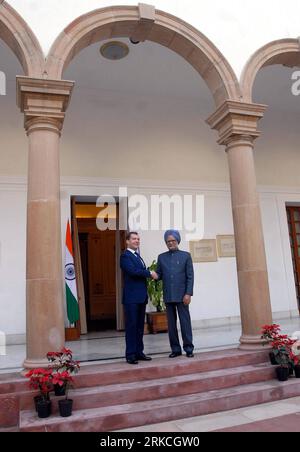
(174, 354)
(132, 361)
(144, 358)
(190, 355)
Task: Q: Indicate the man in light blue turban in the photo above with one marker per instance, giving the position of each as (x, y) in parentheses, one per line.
(174, 233)
(175, 268)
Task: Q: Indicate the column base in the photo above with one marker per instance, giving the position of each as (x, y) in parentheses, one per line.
(34, 364)
(250, 343)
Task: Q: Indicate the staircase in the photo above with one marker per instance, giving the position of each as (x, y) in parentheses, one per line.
(118, 396)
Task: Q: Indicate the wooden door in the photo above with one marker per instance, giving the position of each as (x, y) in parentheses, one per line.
(294, 228)
(102, 275)
(121, 247)
(83, 243)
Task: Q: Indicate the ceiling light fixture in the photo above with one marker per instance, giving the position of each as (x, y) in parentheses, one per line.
(114, 50)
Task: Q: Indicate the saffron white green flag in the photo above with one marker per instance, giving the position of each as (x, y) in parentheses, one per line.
(70, 277)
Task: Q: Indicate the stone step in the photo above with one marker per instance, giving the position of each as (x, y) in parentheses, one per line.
(107, 374)
(136, 414)
(12, 383)
(125, 393)
(15, 392)
(9, 430)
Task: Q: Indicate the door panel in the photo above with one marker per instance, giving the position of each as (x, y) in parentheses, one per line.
(293, 214)
(102, 275)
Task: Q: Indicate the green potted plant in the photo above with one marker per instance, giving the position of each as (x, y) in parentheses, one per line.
(157, 321)
(155, 290)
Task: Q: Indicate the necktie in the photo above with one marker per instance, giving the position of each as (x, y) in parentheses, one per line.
(138, 256)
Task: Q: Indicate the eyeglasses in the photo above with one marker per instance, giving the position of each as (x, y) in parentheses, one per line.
(171, 241)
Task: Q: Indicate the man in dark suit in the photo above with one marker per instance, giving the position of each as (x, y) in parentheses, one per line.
(135, 298)
(175, 268)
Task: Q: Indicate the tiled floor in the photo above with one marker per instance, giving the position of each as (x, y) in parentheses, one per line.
(283, 416)
(289, 423)
(109, 345)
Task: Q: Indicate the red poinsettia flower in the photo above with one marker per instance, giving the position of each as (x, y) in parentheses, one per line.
(63, 379)
(40, 379)
(63, 361)
(270, 331)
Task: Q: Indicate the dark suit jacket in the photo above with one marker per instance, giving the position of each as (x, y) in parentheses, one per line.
(177, 272)
(135, 279)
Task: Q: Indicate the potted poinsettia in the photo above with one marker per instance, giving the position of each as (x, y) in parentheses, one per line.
(282, 348)
(62, 362)
(269, 334)
(41, 379)
(296, 361)
(64, 379)
(282, 358)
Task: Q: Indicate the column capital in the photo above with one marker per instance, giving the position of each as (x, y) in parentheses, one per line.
(234, 120)
(43, 102)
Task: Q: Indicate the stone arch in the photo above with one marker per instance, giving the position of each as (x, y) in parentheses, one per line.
(283, 51)
(146, 23)
(15, 32)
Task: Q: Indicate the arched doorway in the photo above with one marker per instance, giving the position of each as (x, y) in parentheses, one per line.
(139, 24)
(284, 52)
(17, 35)
(145, 23)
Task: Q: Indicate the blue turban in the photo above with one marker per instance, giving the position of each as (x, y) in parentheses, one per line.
(174, 233)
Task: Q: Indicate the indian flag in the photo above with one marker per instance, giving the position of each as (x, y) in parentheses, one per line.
(70, 277)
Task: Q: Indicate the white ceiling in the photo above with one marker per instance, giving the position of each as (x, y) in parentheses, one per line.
(148, 70)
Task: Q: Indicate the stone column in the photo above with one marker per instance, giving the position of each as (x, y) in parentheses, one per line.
(236, 123)
(43, 103)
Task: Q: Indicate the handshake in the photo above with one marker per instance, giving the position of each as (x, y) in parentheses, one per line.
(154, 276)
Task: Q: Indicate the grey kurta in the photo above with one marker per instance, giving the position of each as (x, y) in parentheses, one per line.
(175, 268)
